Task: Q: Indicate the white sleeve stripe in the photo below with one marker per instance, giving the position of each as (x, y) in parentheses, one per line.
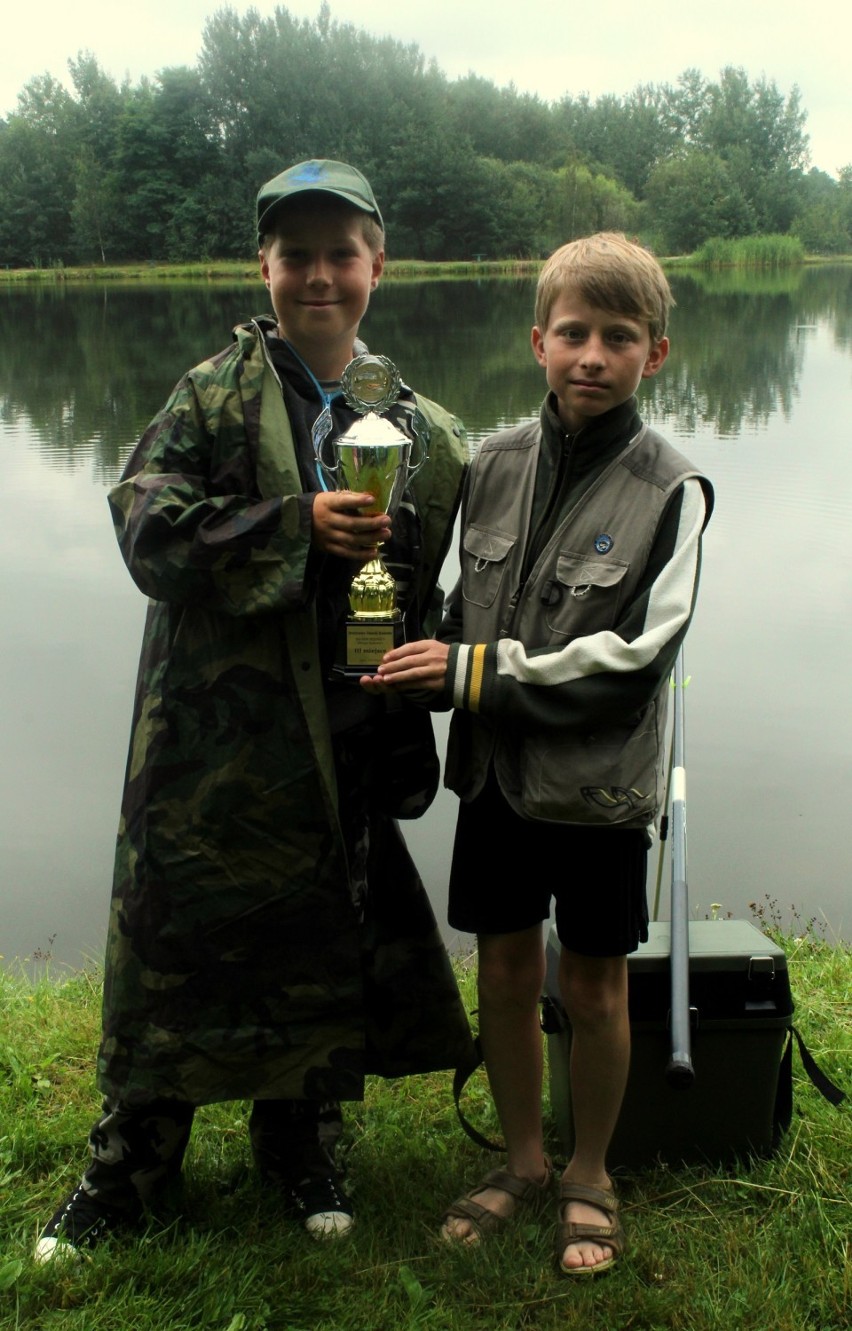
(460, 674)
(668, 608)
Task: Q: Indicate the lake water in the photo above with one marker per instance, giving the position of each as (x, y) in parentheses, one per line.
(756, 392)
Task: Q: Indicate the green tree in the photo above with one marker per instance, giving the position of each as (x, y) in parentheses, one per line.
(442, 206)
(36, 175)
(688, 102)
(504, 124)
(693, 197)
(622, 138)
(756, 131)
(319, 89)
(823, 220)
(582, 201)
(95, 206)
(96, 203)
(165, 165)
(99, 103)
(522, 194)
(169, 168)
(757, 118)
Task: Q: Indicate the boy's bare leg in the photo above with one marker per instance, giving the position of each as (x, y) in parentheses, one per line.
(511, 974)
(594, 992)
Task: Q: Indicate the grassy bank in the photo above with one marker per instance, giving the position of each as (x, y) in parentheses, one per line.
(751, 252)
(763, 1247)
(224, 270)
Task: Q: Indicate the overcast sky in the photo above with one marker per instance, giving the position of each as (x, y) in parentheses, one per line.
(548, 47)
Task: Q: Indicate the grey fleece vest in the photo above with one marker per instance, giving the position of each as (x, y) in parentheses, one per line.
(575, 588)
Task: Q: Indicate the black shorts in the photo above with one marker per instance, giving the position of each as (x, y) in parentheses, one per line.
(506, 869)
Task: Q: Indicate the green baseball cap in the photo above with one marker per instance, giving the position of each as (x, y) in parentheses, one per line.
(319, 176)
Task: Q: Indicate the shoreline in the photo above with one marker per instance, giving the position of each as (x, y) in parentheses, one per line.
(238, 271)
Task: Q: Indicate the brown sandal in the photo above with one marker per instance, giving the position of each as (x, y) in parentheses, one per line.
(570, 1231)
(526, 1192)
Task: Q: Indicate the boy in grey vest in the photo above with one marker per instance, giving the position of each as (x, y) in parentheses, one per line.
(580, 555)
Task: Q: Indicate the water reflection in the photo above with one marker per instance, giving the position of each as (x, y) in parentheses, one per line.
(85, 368)
(736, 360)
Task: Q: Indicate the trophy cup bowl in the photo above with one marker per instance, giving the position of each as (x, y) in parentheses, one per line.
(374, 461)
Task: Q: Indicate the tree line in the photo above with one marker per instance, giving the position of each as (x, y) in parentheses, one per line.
(167, 169)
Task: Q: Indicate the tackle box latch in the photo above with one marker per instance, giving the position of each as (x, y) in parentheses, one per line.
(761, 969)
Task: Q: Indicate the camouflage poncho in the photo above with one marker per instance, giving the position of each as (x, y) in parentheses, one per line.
(236, 964)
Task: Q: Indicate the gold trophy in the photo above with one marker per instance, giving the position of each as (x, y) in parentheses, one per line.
(373, 456)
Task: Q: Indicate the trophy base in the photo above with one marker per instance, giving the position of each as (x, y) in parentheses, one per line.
(363, 643)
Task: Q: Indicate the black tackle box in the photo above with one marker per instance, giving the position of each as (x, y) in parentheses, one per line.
(741, 1015)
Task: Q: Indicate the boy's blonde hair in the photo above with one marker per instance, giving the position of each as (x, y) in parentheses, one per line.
(611, 272)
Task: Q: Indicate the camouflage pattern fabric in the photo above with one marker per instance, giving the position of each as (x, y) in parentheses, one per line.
(294, 1139)
(237, 966)
(135, 1152)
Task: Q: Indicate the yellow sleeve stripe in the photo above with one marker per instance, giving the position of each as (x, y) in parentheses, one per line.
(476, 672)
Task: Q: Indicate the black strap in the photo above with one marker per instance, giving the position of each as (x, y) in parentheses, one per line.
(550, 1022)
(824, 1085)
(783, 1114)
(783, 1102)
(462, 1075)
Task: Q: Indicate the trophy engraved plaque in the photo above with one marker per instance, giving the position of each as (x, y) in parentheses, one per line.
(373, 456)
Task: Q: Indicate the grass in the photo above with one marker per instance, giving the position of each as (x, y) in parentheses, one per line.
(760, 1247)
(751, 252)
(247, 271)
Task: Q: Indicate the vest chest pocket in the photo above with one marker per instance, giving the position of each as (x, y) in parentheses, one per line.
(584, 595)
(485, 557)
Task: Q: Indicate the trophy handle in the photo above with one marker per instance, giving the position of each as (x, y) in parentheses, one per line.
(331, 470)
(422, 438)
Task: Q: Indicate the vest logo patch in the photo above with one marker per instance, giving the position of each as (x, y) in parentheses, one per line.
(613, 797)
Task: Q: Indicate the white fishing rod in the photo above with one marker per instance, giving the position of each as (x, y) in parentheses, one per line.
(679, 1071)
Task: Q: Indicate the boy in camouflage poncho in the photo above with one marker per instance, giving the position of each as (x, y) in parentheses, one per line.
(269, 937)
